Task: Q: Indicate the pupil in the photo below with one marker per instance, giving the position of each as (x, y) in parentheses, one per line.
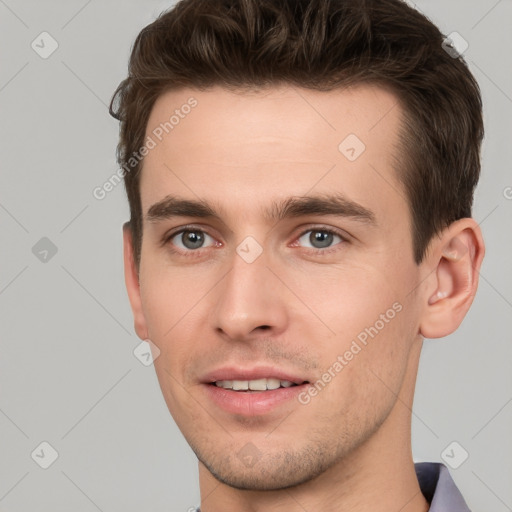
(321, 239)
(192, 239)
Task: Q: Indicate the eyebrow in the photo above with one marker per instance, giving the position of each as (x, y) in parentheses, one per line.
(292, 207)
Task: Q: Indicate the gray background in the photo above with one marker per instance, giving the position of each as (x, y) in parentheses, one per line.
(68, 375)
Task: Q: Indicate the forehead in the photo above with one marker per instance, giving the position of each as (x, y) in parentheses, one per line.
(278, 141)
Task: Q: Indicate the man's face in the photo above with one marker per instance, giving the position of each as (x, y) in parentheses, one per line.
(268, 288)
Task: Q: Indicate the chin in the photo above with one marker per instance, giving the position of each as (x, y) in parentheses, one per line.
(271, 473)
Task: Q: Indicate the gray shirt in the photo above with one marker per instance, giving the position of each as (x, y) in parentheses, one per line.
(437, 486)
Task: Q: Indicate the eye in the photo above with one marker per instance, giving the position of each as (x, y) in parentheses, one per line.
(191, 239)
(320, 238)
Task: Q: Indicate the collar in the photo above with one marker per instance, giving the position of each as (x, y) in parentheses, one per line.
(439, 489)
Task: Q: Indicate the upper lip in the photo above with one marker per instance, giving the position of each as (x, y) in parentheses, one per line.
(254, 373)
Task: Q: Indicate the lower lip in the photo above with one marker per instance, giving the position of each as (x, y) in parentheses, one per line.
(251, 403)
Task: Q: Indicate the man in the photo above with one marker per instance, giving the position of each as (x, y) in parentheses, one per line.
(300, 177)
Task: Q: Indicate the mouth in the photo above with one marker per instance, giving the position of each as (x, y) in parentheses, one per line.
(255, 385)
(253, 392)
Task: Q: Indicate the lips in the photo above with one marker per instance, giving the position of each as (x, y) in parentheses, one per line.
(251, 392)
(251, 374)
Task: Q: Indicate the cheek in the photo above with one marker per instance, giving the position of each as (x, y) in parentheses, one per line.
(347, 300)
(364, 378)
(366, 349)
(167, 305)
(168, 296)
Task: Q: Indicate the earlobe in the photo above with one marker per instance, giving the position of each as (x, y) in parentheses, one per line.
(132, 284)
(456, 258)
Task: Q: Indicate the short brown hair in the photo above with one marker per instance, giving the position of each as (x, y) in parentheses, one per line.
(321, 45)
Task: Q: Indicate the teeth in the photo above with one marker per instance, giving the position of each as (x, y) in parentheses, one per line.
(257, 385)
(253, 385)
(273, 383)
(240, 385)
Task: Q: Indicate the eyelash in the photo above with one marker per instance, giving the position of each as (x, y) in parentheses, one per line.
(329, 231)
(198, 252)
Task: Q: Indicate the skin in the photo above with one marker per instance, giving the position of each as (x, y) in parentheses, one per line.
(296, 307)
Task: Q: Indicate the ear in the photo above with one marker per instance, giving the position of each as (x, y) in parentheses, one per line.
(455, 257)
(131, 277)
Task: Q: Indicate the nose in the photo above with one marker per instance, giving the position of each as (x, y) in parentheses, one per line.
(250, 301)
